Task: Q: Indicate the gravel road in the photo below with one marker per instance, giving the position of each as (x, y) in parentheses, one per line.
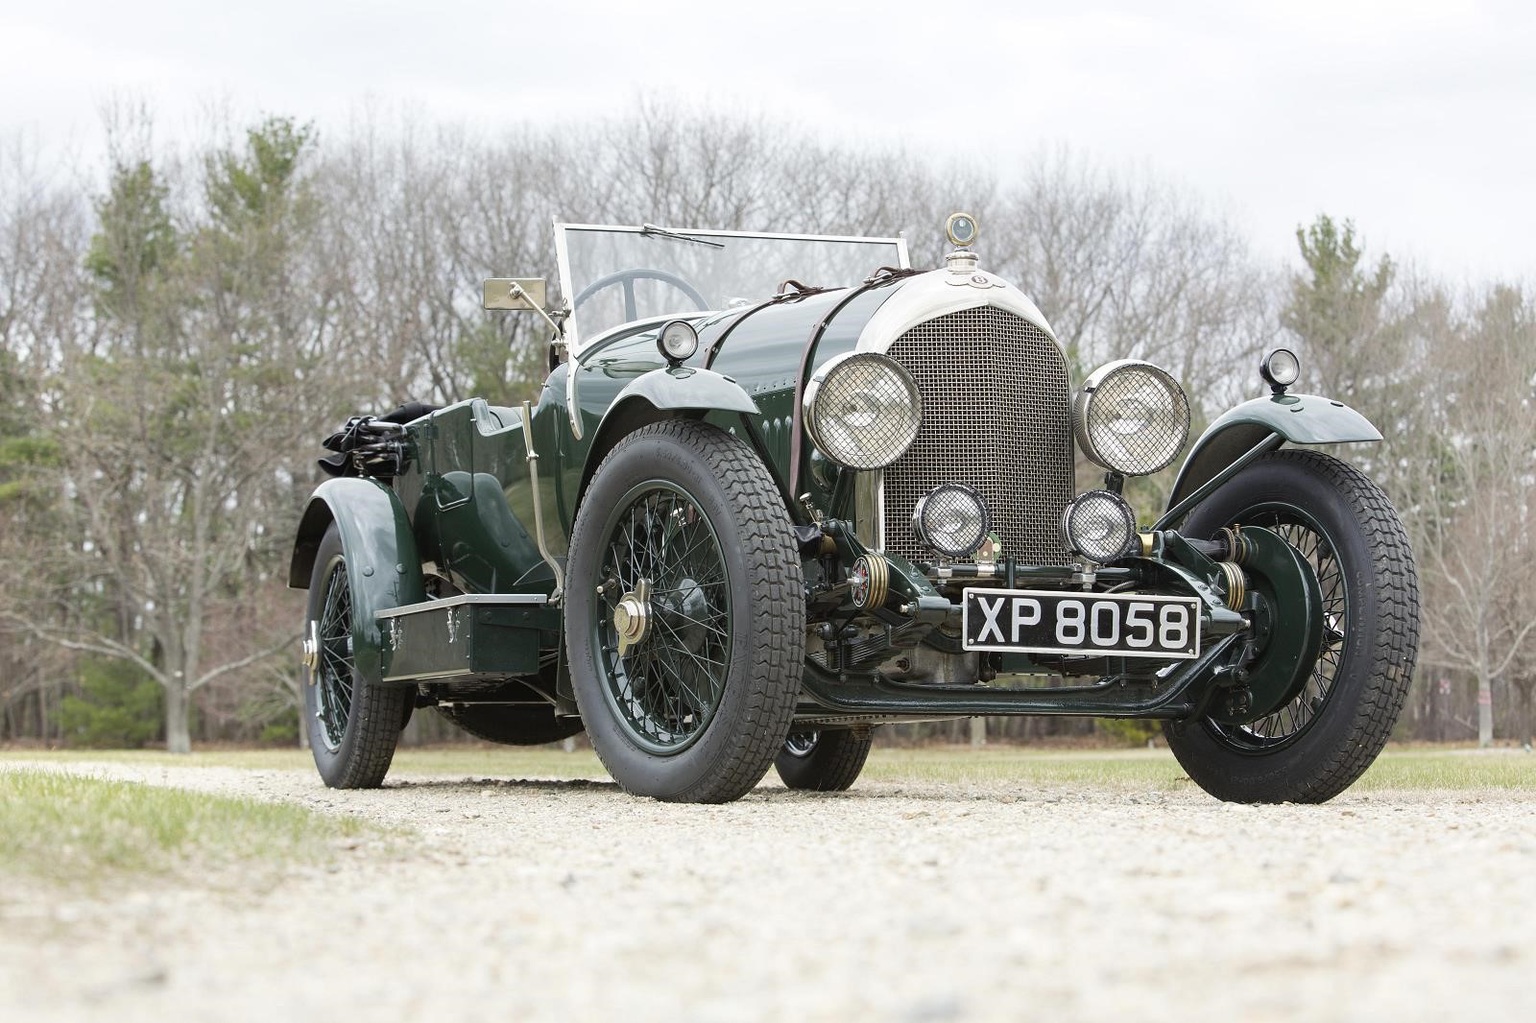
(911, 902)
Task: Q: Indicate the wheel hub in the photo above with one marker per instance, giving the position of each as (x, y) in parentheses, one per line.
(632, 616)
(311, 649)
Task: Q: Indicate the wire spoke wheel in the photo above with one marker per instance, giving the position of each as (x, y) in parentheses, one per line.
(685, 626)
(335, 671)
(1287, 723)
(353, 722)
(667, 686)
(1318, 742)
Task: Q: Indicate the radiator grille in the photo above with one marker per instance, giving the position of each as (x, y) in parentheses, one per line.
(997, 418)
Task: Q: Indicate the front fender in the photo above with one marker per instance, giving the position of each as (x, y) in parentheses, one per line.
(1297, 418)
(684, 387)
(659, 393)
(383, 567)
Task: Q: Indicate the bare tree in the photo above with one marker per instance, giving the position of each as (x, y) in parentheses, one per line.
(1477, 542)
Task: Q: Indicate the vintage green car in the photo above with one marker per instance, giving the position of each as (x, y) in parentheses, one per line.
(751, 518)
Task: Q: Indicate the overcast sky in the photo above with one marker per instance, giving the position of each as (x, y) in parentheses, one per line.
(1415, 119)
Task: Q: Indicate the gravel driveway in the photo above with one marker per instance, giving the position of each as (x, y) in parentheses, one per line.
(911, 902)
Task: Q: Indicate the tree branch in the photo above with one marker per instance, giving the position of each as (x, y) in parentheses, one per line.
(225, 669)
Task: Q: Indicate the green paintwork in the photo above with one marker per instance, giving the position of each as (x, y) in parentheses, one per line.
(383, 566)
(1135, 698)
(471, 500)
(684, 387)
(1299, 418)
(464, 505)
(456, 640)
(1287, 605)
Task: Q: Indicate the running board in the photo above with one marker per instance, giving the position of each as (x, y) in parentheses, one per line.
(472, 637)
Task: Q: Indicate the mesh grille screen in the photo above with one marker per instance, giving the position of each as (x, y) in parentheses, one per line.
(864, 412)
(997, 418)
(1134, 396)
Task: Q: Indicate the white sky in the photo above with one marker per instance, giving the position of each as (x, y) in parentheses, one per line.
(1415, 119)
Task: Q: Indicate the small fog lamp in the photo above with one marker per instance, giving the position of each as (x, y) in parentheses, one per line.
(1099, 526)
(950, 519)
(1281, 369)
(677, 341)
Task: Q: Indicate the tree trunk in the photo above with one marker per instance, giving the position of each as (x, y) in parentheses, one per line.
(178, 737)
(1484, 712)
(978, 732)
(1526, 695)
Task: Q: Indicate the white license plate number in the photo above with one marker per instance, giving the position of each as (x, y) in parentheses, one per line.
(1053, 622)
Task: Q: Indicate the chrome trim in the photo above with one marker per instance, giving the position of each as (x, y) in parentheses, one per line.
(817, 381)
(869, 508)
(572, 331)
(462, 599)
(938, 293)
(714, 233)
(563, 271)
(1083, 400)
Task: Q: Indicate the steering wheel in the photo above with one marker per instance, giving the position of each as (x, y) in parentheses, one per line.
(628, 278)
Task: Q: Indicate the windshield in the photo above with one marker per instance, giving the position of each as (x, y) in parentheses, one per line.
(613, 275)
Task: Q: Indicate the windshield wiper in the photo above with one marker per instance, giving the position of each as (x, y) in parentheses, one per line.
(662, 232)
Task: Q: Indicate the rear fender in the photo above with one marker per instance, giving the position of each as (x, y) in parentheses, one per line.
(383, 567)
(1295, 418)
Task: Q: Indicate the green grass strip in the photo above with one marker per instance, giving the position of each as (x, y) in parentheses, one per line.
(80, 831)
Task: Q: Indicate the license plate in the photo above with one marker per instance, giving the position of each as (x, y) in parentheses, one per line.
(1052, 622)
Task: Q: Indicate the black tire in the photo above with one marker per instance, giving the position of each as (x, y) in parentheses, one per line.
(353, 724)
(1315, 746)
(696, 708)
(823, 761)
(512, 724)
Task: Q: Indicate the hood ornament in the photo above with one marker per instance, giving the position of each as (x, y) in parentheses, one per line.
(961, 231)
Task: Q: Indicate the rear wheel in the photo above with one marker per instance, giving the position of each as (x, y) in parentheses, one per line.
(823, 761)
(1315, 745)
(353, 724)
(685, 615)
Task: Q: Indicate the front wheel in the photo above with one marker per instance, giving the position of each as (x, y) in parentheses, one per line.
(823, 761)
(685, 619)
(353, 724)
(1316, 745)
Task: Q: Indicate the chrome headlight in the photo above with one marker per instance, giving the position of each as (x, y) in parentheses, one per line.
(1131, 417)
(1099, 525)
(862, 410)
(950, 519)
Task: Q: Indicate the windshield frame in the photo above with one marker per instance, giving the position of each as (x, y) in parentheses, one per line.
(576, 342)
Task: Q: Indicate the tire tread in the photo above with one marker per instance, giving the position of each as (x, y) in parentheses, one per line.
(778, 638)
(1390, 658)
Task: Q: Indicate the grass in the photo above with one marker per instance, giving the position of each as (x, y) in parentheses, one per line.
(1120, 770)
(81, 832)
(84, 833)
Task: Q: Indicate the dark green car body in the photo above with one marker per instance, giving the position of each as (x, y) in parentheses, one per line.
(457, 598)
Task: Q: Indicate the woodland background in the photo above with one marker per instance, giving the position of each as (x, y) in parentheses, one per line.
(180, 326)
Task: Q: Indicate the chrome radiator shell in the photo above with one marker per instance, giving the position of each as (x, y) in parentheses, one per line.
(997, 417)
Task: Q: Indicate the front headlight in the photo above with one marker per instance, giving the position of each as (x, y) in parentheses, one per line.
(1131, 417)
(862, 410)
